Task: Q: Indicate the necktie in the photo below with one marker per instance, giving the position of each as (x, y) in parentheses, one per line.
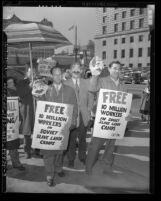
(77, 87)
(57, 89)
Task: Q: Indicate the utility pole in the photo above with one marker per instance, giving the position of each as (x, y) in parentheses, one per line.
(75, 48)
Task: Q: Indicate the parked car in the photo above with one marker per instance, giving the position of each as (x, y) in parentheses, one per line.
(137, 79)
(127, 79)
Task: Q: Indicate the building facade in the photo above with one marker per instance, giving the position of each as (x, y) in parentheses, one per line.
(123, 34)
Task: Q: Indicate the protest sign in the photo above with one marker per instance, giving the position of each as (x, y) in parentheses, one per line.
(12, 118)
(52, 123)
(112, 108)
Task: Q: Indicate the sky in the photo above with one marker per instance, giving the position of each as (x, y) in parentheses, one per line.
(62, 19)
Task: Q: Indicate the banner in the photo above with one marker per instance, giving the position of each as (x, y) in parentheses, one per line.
(45, 66)
(112, 108)
(12, 118)
(52, 123)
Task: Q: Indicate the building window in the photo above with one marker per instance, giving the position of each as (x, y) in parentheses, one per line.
(141, 11)
(115, 54)
(123, 26)
(122, 53)
(131, 52)
(148, 64)
(104, 10)
(132, 24)
(140, 38)
(104, 19)
(123, 14)
(115, 41)
(104, 42)
(148, 53)
(104, 55)
(131, 39)
(132, 12)
(116, 28)
(140, 52)
(123, 40)
(104, 31)
(139, 65)
(130, 65)
(141, 23)
(116, 16)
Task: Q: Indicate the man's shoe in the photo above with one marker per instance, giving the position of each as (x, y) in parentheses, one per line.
(61, 174)
(51, 182)
(21, 167)
(71, 164)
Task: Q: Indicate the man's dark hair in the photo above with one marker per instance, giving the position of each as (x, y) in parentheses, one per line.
(114, 62)
(54, 67)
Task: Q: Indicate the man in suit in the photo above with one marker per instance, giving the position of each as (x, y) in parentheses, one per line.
(59, 93)
(85, 102)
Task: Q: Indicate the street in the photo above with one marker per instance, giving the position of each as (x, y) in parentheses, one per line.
(130, 170)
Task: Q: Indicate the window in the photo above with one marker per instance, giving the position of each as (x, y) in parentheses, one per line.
(116, 28)
(104, 55)
(104, 42)
(131, 39)
(104, 31)
(139, 65)
(132, 12)
(141, 23)
(104, 19)
(140, 38)
(148, 53)
(116, 16)
(141, 11)
(148, 64)
(123, 40)
(140, 52)
(115, 41)
(130, 65)
(122, 53)
(104, 10)
(132, 24)
(115, 54)
(131, 52)
(123, 14)
(123, 26)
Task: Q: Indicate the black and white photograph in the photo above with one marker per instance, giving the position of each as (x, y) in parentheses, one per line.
(78, 88)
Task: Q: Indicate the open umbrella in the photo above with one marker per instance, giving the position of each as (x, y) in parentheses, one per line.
(34, 35)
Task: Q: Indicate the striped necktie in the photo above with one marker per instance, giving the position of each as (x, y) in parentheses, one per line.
(77, 86)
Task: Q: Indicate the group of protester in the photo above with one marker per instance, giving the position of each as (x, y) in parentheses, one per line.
(82, 94)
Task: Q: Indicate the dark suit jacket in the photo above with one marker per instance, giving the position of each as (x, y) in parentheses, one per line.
(85, 98)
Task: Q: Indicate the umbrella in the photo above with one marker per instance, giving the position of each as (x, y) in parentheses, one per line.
(34, 35)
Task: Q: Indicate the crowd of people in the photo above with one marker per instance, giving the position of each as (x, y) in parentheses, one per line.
(82, 93)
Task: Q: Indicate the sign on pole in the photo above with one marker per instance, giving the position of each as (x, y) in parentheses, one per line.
(52, 123)
(12, 118)
(112, 108)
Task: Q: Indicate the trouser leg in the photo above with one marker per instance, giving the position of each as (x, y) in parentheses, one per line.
(82, 140)
(49, 162)
(14, 157)
(108, 156)
(71, 149)
(59, 162)
(27, 143)
(93, 152)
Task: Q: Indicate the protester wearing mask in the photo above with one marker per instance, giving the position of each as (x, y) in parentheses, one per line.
(85, 102)
(58, 93)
